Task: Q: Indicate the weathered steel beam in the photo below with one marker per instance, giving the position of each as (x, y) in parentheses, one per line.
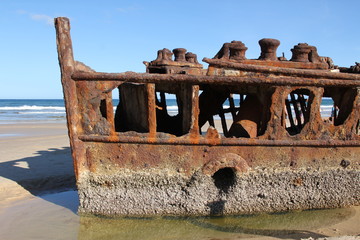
(67, 67)
(223, 141)
(221, 80)
(306, 73)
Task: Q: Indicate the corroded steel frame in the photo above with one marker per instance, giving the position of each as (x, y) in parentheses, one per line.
(152, 173)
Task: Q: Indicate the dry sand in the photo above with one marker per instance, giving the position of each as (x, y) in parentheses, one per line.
(35, 158)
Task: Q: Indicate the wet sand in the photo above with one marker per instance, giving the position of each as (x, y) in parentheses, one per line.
(35, 158)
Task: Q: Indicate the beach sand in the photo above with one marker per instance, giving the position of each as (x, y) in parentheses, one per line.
(35, 158)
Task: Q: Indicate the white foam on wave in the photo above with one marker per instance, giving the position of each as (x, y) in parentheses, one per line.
(172, 108)
(326, 106)
(33, 107)
(41, 112)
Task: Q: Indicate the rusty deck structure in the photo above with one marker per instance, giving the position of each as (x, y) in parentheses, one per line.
(275, 153)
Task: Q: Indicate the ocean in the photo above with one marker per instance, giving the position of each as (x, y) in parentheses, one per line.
(53, 110)
(31, 110)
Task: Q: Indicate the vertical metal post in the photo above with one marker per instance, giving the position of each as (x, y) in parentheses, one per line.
(194, 127)
(289, 113)
(67, 67)
(151, 110)
(232, 106)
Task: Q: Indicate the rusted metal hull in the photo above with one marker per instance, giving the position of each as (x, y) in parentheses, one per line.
(141, 161)
(178, 180)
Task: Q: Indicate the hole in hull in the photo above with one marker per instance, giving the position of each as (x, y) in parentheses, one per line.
(224, 179)
(340, 104)
(103, 110)
(298, 107)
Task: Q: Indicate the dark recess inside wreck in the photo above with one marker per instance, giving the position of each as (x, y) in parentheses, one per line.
(273, 151)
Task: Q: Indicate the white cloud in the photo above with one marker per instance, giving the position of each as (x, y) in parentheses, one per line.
(128, 9)
(43, 18)
(20, 11)
(37, 17)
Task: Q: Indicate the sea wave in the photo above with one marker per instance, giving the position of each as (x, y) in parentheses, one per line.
(41, 112)
(326, 106)
(172, 108)
(32, 107)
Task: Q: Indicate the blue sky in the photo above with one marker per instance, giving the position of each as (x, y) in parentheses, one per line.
(116, 36)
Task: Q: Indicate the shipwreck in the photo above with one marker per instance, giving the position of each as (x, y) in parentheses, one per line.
(248, 135)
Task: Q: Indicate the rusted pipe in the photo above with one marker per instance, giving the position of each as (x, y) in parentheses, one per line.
(285, 71)
(221, 80)
(289, 113)
(294, 102)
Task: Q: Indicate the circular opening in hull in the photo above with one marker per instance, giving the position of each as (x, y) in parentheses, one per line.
(224, 179)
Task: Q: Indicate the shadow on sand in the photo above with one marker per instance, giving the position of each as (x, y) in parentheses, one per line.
(47, 172)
